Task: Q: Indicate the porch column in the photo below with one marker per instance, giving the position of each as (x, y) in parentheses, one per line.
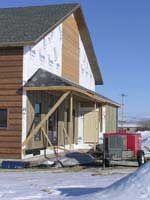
(70, 119)
(95, 138)
(103, 118)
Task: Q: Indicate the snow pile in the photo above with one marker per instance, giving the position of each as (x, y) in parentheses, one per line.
(134, 186)
(145, 140)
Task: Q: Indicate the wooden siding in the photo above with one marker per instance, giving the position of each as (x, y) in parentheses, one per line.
(11, 69)
(111, 119)
(70, 50)
(90, 127)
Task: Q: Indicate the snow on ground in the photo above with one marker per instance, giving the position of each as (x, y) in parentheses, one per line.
(52, 186)
(75, 185)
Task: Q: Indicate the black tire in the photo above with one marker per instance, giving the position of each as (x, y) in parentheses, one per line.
(107, 162)
(141, 158)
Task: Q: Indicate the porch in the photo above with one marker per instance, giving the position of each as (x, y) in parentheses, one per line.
(61, 113)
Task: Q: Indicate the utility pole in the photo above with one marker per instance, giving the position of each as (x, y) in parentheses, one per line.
(123, 109)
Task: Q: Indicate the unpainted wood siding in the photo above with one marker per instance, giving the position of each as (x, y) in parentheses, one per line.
(70, 49)
(11, 69)
(91, 127)
(111, 119)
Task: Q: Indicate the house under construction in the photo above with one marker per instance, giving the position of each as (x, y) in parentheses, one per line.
(48, 73)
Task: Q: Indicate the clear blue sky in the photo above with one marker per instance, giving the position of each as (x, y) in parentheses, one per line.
(120, 30)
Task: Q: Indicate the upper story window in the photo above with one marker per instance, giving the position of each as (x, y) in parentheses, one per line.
(3, 118)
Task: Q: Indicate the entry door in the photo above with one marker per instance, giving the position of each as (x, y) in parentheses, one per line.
(91, 127)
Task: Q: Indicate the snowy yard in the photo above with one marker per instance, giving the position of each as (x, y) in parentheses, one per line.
(75, 185)
(55, 186)
(95, 184)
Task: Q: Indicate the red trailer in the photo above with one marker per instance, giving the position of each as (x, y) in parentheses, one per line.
(123, 146)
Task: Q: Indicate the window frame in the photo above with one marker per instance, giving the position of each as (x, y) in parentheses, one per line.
(7, 122)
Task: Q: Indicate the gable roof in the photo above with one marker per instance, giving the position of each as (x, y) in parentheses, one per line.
(43, 78)
(28, 25)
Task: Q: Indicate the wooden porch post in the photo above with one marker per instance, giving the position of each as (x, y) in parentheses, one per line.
(95, 139)
(70, 120)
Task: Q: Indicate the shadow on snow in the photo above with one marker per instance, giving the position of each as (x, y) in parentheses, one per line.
(79, 191)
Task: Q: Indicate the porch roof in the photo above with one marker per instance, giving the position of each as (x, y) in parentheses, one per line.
(43, 80)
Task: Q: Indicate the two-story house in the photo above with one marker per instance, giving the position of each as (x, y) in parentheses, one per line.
(48, 73)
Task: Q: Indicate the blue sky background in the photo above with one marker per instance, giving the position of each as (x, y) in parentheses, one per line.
(120, 30)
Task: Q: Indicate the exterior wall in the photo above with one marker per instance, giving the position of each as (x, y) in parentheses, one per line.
(46, 54)
(70, 50)
(11, 66)
(86, 78)
(75, 64)
(111, 119)
(62, 53)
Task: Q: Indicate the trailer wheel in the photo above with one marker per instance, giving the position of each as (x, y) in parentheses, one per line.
(140, 158)
(107, 162)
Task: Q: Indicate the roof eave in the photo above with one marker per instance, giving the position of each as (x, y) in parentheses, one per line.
(97, 73)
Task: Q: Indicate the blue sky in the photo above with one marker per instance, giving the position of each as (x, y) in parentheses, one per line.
(120, 31)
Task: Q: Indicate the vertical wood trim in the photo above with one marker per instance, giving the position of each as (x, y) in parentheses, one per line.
(61, 124)
(70, 120)
(95, 135)
(76, 118)
(70, 49)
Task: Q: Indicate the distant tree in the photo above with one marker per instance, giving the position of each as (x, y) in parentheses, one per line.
(144, 125)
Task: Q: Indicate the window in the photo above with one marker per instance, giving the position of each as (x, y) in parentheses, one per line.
(37, 108)
(3, 118)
